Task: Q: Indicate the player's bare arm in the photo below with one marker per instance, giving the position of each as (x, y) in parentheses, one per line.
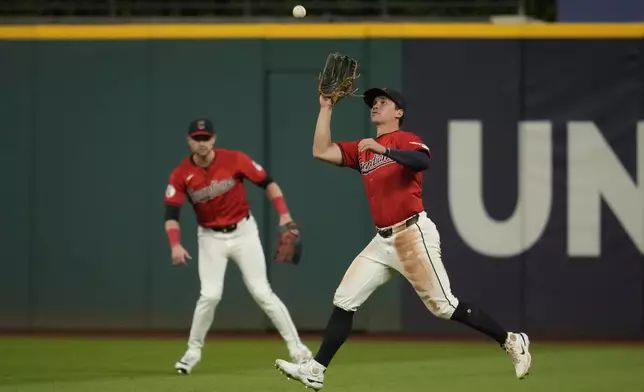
(257, 175)
(173, 231)
(371, 145)
(275, 195)
(323, 147)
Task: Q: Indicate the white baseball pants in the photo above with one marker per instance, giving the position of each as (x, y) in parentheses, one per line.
(415, 252)
(243, 246)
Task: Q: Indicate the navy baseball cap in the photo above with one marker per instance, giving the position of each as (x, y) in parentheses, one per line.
(201, 126)
(371, 95)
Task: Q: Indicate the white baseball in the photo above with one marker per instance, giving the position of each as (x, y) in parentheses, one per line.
(299, 11)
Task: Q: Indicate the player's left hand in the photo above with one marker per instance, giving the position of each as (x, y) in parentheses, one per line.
(284, 219)
(371, 145)
(179, 255)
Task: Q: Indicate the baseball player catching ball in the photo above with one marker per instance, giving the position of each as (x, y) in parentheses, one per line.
(212, 180)
(407, 240)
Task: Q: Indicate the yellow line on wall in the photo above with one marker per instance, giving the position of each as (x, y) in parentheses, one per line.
(317, 31)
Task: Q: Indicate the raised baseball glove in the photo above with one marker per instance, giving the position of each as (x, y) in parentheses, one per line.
(289, 244)
(338, 78)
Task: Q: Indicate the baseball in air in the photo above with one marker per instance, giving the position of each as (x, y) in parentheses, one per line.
(299, 11)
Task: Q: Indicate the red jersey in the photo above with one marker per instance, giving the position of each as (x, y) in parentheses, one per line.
(394, 191)
(217, 192)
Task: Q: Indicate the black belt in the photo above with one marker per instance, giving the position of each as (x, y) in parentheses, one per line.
(390, 231)
(229, 228)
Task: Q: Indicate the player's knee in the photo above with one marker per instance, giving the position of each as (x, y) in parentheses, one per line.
(445, 312)
(344, 302)
(262, 295)
(210, 298)
(441, 308)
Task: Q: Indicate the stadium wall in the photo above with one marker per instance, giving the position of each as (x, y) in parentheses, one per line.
(547, 118)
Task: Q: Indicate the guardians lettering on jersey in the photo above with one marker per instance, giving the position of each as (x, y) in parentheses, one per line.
(374, 163)
(217, 192)
(215, 189)
(393, 190)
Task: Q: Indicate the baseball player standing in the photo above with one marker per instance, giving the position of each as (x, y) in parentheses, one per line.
(407, 241)
(212, 179)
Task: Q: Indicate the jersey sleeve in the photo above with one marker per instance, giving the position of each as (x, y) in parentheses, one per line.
(412, 142)
(349, 152)
(175, 192)
(250, 169)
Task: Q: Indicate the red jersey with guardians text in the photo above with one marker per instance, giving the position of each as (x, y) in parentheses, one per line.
(217, 192)
(394, 191)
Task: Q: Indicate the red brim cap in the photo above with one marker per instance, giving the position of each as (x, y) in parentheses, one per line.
(201, 133)
(201, 126)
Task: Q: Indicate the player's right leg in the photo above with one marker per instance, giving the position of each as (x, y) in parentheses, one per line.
(362, 278)
(212, 261)
(419, 259)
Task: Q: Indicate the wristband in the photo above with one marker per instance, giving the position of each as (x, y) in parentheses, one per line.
(280, 205)
(174, 237)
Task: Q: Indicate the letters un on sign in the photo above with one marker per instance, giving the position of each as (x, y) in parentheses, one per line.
(594, 173)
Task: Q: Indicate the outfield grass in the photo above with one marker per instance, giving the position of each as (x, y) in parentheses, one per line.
(110, 365)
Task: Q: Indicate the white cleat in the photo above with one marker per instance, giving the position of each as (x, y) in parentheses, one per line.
(517, 346)
(188, 361)
(300, 354)
(310, 373)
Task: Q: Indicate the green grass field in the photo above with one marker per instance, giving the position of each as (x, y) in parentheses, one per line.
(111, 365)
